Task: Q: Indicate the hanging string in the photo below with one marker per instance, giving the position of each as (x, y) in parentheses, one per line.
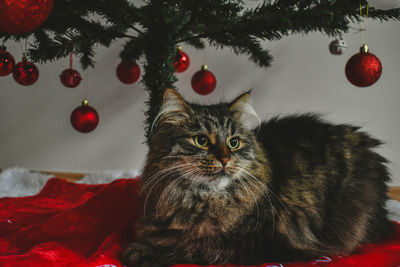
(71, 56)
(366, 22)
(364, 28)
(86, 87)
(22, 48)
(23, 51)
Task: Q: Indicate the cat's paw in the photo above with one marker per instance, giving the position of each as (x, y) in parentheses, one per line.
(141, 255)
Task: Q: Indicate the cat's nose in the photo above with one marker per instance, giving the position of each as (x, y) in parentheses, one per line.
(224, 161)
(222, 154)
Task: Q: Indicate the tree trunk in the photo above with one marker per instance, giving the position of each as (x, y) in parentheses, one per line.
(159, 75)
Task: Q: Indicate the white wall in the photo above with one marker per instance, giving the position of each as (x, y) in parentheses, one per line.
(34, 123)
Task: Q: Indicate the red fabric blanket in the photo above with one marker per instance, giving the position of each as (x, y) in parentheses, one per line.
(69, 224)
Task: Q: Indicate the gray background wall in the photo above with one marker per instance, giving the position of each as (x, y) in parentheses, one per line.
(35, 132)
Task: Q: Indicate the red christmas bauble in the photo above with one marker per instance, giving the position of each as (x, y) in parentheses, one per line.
(70, 78)
(84, 118)
(19, 16)
(7, 62)
(364, 68)
(128, 72)
(182, 60)
(25, 72)
(203, 81)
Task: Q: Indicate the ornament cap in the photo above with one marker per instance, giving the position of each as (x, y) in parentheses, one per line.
(364, 48)
(85, 103)
(204, 67)
(179, 48)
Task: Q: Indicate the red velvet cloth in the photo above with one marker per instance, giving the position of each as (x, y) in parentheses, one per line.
(69, 224)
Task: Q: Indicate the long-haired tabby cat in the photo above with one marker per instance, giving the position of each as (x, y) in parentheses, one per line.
(221, 188)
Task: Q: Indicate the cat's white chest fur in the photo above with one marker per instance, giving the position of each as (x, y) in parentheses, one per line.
(220, 184)
(216, 187)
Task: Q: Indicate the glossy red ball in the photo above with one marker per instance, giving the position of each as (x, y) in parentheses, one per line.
(204, 82)
(7, 62)
(25, 73)
(363, 69)
(19, 16)
(70, 78)
(128, 72)
(84, 118)
(182, 61)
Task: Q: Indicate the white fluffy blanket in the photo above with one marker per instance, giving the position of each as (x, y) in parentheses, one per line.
(18, 182)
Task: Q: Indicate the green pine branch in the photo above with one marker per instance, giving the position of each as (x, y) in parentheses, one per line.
(153, 30)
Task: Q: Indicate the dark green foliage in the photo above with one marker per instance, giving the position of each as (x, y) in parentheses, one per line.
(153, 29)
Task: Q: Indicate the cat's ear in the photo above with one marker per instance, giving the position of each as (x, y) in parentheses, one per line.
(173, 98)
(174, 110)
(174, 102)
(244, 112)
(242, 99)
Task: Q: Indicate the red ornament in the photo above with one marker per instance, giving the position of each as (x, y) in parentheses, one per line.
(182, 60)
(84, 118)
(19, 16)
(70, 78)
(7, 62)
(363, 69)
(128, 72)
(25, 72)
(203, 81)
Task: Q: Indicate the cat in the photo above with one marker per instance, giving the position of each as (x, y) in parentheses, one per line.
(221, 187)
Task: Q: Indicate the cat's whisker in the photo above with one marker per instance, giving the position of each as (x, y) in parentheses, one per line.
(268, 191)
(166, 192)
(161, 172)
(173, 157)
(265, 192)
(257, 186)
(166, 174)
(168, 189)
(248, 190)
(155, 175)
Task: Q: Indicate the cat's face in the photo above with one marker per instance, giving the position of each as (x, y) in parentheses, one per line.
(210, 145)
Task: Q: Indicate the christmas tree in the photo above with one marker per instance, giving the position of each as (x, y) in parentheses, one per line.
(154, 28)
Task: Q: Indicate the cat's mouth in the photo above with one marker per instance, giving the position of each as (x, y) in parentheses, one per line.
(213, 176)
(217, 173)
(212, 183)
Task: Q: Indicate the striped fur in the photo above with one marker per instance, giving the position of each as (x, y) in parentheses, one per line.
(295, 187)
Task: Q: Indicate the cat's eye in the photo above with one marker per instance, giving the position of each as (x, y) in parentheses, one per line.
(233, 143)
(200, 140)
